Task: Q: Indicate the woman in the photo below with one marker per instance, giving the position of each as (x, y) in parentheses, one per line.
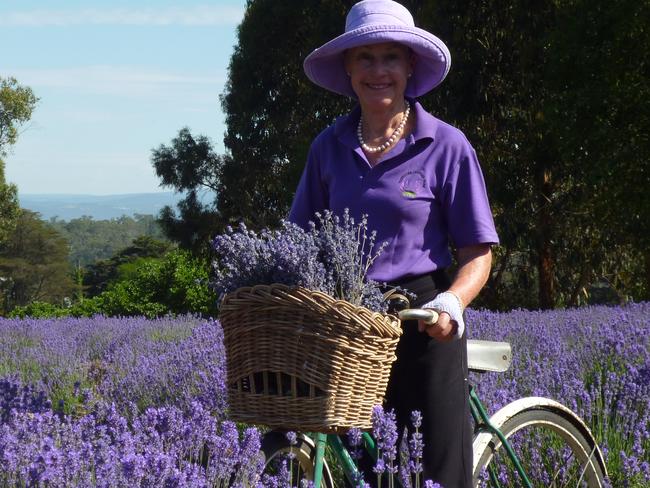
(419, 181)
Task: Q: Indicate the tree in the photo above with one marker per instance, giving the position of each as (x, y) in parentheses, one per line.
(9, 206)
(98, 276)
(605, 94)
(537, 87)
(272, 110)
(94, 240)
(176, 283)
(189, 165)
(16, 106)
(34, 264)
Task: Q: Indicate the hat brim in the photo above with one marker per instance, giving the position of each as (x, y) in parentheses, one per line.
(325, 65)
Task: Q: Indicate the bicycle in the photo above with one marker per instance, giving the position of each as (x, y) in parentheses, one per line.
(497, 439)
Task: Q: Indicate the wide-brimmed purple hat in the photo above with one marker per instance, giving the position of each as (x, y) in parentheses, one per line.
(372, 22)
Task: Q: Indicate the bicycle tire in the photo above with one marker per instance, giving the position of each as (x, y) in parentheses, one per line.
(572, 433)
(275, 445)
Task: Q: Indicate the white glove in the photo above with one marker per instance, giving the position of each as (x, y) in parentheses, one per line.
(449, 302)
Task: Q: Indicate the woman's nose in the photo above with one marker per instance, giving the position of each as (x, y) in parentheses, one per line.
(379, 67)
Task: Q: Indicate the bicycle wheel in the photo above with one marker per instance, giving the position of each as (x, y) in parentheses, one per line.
(555, 449)
(276, 448)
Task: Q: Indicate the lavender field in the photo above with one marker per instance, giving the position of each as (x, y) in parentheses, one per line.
(136, 402)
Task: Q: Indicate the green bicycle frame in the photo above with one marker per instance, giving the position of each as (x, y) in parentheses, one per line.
(320, 440)
(342, 454)
(481, 419)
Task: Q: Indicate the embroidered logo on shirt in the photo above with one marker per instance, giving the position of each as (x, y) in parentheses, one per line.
(411, 183)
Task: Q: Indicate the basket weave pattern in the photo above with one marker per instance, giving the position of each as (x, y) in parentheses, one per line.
(301, 360)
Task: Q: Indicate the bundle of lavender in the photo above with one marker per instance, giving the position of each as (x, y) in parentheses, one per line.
(333, 256)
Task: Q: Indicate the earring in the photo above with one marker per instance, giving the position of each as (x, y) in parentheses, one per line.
(410, 75)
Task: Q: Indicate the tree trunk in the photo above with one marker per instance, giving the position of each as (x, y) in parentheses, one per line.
(546, 272)
(546, 260)
(646, 294)
(494, 282)
(580, 285)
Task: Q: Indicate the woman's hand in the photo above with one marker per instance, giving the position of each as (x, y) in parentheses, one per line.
(444, 330)
(473, 271)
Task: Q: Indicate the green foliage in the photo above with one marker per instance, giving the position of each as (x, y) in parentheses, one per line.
(33, 264)
(39, 310)
(94, 240)
(176, 283)
(272, 110)
(189, 165)
(16, 106)
(9, 207)
(551, 94)
(97, 276)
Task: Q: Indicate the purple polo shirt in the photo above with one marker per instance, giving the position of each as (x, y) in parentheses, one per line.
(426, 190)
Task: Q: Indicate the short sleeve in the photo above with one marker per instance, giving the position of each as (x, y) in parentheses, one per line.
(465, 203)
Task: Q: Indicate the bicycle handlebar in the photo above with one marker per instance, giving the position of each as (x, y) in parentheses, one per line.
(428, 316)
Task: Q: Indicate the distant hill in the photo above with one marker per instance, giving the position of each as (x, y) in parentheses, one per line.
(99, 207)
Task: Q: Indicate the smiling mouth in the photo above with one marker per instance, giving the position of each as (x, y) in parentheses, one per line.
(377, 86)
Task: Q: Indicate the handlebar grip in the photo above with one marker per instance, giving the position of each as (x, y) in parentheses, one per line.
(428, 316)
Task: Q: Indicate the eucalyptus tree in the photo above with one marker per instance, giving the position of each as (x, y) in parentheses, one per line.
(189, 164)
(34, 264)
(272, 110)
(553, 95)
(16, 106)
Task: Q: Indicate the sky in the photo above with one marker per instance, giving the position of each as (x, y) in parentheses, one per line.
(115, 80)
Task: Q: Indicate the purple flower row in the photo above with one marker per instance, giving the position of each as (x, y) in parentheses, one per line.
(159, 447)
(595, 360)
(142, 402)
(125, 361)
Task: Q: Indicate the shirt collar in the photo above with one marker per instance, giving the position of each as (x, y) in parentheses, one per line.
(426, 125)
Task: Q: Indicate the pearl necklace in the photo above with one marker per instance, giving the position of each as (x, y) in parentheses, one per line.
(393, 137)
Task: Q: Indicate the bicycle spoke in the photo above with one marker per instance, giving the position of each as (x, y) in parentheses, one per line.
(546, 458)
(557, 472)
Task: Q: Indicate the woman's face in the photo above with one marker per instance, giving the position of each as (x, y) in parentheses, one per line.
(379, 72)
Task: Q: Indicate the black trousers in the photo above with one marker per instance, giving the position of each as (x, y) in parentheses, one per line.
(431, 377)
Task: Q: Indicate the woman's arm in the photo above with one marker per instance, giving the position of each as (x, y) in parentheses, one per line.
(474, 264)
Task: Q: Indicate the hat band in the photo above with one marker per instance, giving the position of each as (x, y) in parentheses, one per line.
(376, 18)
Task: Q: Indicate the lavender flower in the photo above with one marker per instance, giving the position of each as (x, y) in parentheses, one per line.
(102, 449)
(14, 396)
(347, 252)
(431, 484)
(594, 360)
(144, 401)
(416, 418)
(416, 446)
(292, 438)
(287, 255)
(333, 256)
(384, 428)
(355, 441)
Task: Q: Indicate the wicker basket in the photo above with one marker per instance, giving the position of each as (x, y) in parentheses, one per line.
(301, 360)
